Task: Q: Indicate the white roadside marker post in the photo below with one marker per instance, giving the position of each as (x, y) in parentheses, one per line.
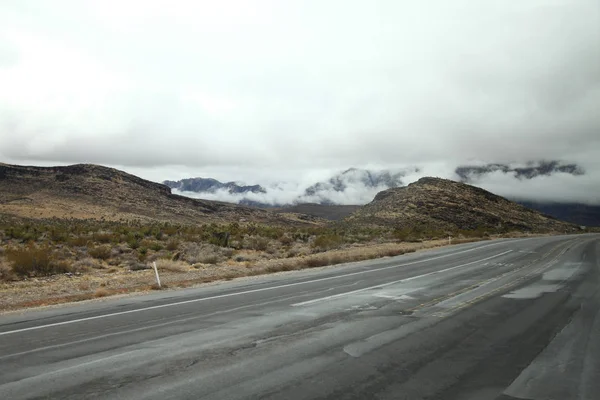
(156, 272)
(449, 239)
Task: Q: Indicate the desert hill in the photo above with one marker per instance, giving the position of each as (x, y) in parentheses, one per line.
(91, 191)
(440, 204)
(329, 212)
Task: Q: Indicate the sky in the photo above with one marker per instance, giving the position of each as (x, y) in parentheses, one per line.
(294, 91)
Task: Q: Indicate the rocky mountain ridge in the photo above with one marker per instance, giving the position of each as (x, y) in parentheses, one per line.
(441, 204)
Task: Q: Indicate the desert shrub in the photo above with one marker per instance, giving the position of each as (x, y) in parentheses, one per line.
(133, 243)
(172, 244)
(85, 264)
(6, 272)
(392, 252)
(101, 292)
(255, 243)
(78, 241)
(171, 266)
(286, 240)
(58, 235)
(104, 237)
(156, 246)
(100, 252)
(204, 253)
(327, 242)
(32, 260)
(135, 266)
(142, 253)
(313, 262)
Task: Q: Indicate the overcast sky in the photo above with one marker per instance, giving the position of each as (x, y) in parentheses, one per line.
(277, 90)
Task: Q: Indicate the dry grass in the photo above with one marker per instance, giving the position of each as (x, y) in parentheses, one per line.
(6, 271)
(100, 252)
(172, 266)
(204, 253)
(86, 264)
(101, 292)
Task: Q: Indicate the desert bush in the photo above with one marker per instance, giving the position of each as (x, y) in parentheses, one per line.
(336, 259)
(142, 253)
(6, 272)
(32, 260)
(133, 243)
(86, 264)
(172, 245)
(101, 292)
(318, 261)
(327, 242)
(100, 252)
(392, 252)
(255, 243)
(171, 266)
(194, 253)
(136, 266)
(78, 241)
(156, 246)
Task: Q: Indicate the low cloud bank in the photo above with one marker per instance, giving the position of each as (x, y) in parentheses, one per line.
(556, 187)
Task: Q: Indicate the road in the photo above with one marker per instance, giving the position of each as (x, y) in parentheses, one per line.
(506, 319)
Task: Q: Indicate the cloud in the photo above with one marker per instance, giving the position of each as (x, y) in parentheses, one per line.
(287, 88)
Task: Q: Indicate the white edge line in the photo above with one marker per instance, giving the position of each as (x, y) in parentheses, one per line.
(335, 296)
(245, 292)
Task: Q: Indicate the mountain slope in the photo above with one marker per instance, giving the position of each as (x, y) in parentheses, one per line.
(440, 204)
(354, 178)
(329, 212)
(472, 173)
(91, 191)
(209, 185)
(580, 214)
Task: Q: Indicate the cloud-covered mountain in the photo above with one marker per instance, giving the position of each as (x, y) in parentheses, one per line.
(538, 185)
(209, 185)
(473, 173)
(352, 186)
(353, 179)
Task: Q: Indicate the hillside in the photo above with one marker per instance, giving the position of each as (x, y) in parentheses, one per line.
(440, 204)
(91, 191)
(329, 212)
(580, 214)
(209, 185)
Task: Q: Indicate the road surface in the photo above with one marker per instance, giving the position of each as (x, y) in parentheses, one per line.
(507, 319)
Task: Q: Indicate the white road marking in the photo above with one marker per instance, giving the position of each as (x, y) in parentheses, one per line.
(249, 291)
(335, 296)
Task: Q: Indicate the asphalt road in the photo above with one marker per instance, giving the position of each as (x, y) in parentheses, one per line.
(491, 320)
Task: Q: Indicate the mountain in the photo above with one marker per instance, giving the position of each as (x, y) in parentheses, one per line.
(353, 178)
(472, 173)
(580, 214)
(92, 191)
(209, 185)
(577, 213)
(359, 186)
(329, 212)
(352, 186)
(441, 204)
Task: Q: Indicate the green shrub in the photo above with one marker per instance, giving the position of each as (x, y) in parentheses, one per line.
(100, 252)
(327, 242)
(32, 260)
(172, 245)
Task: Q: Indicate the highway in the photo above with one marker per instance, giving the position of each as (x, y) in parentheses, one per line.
(503, 319)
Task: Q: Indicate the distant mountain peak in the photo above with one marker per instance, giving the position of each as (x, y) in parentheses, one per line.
(531, 170)
(210, 185)
(442, 204)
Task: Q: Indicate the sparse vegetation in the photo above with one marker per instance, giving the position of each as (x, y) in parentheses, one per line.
(121, 253)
